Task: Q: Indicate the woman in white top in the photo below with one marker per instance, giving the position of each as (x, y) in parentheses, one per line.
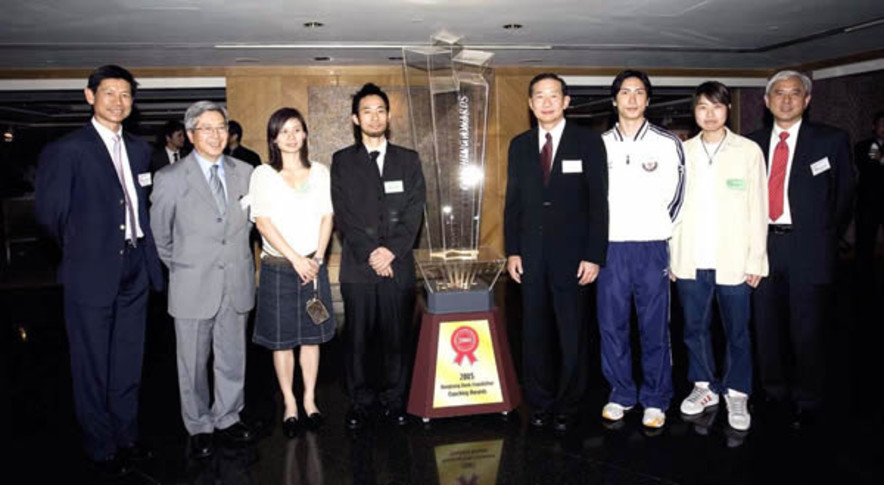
(292, 208)
(719, 251)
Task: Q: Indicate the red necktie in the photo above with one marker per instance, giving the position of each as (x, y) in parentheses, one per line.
(546, 158)
(777, 179)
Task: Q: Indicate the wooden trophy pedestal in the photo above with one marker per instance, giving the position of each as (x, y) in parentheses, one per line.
(463, 367)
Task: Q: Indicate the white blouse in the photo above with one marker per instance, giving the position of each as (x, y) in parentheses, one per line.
(296, 213)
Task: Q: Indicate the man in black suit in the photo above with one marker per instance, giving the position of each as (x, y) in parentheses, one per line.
(869, 158)
(810, 188)
(172, 149)
(556, 229)
(91, 198)
(235, 148)
(378, 193)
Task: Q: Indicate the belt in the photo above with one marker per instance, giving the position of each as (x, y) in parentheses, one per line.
(779, 228)
(280, 261)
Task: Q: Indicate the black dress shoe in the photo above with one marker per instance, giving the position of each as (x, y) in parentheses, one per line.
(134, 453)
(113, 467)
(564, 423)
(396, 416)
(539, 419)
(315, 420)
(201, 445)
(237, 433)
(803, 420)
(356, 418)
(290, 427)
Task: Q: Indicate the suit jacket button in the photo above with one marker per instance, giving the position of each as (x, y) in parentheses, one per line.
(122, 201)
(220, 266)
(223, 242)
(122, 227)
(122, 251)
(218, 219)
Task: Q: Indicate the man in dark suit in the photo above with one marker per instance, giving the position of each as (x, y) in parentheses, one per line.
(378, 192)
(556, 229)
(235, 148)
(869, 158)
(810, 188)
(91, 198)
(172, 148)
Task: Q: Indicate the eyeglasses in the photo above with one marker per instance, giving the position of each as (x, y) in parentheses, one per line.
(207, 130)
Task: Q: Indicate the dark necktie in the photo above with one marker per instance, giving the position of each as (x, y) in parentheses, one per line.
(546, 158)
(132, 235)
(174, 157)
(777, 180)
(218, 189)
(374, 160)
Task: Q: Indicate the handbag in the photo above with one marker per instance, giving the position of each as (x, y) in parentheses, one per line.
(316, 310)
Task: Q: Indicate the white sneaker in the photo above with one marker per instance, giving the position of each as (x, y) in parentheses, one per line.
(738, 410)
(614, 412)
(654, 418)
(699, 399)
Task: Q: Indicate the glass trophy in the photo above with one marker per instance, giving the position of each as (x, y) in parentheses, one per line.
(448, 88)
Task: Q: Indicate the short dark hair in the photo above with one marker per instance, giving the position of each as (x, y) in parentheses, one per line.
(274, 125)
(547, 75)
(369, 89)
(234, 128)
(170, 128)
(628, 73)
(110, 71)
(878, 117)
(714, 91)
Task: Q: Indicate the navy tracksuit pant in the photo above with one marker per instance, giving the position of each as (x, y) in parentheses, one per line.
(636, 270)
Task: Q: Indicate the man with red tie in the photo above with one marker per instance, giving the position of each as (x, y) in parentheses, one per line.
(556, 230)
(810, 188)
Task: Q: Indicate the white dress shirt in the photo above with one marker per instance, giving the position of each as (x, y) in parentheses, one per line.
(556, 133)
(791, 142)
(382, 155)
(107, 137)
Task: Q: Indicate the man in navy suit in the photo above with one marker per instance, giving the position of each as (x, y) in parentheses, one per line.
(556, 230)
(91, 199)
(810, 188)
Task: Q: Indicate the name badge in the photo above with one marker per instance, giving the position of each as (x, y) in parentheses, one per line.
(393, 187)
(820, 166)
(736, 184)
(245, 201)
(144, 179)
(572, 166)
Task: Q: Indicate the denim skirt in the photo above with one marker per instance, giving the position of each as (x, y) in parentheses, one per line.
(281, 321)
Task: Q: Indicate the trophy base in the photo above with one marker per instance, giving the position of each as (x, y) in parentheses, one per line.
(477, 299)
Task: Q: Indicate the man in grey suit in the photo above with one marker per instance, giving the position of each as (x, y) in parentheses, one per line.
(201, 226)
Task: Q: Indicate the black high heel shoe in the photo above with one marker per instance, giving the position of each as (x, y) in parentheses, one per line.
(315, 420)
(290, 427)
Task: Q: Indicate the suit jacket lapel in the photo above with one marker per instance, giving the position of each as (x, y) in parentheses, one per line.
(234, 182)
(564, 147)
(105, 163)
(198, 182)
(801, 159)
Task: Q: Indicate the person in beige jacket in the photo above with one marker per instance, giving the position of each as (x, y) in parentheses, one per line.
(719, 249)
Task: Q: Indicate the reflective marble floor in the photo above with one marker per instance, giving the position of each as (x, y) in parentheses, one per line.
(41, 436)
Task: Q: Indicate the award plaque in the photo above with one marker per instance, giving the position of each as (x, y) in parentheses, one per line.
(463, 363)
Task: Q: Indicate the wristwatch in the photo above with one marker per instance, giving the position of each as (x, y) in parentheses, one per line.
(318, 260)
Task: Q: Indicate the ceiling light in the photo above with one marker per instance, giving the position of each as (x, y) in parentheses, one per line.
(243, 60)
(322, 58)
(313, 24)
(512, 26)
